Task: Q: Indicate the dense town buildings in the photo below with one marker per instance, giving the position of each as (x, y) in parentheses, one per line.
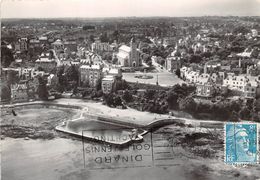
(203, 55)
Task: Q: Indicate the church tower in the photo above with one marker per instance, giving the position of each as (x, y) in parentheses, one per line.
(134, 58)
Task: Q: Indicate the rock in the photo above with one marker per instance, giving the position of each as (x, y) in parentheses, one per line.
(26, 138)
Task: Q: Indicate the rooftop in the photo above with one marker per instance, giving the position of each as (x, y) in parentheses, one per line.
(125, 48)
(45, 60)
(108, 78)
(57, 42)
(90, 67)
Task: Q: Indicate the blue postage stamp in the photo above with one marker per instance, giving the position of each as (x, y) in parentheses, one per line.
(241, 143)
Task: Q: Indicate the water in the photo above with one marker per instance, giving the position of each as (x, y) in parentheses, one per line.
(62, 159)
(39, 159)
(99, 130)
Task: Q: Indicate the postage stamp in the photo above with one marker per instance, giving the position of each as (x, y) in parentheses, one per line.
(241, 143)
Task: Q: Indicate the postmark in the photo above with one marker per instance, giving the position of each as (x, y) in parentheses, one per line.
(153, 150)
(241, 143)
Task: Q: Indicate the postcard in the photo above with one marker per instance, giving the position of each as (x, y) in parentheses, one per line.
(130, 89)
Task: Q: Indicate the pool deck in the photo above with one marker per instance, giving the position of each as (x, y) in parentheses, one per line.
(62, 128)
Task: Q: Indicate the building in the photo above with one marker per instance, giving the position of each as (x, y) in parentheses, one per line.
(45, 62)
(107, 84)
(247, 85)
(235, 82)
(253, 70)
(192, 77)
(205, 85)
(205, 89)
(38, 73)
(91, 58)
(169, 41)
(26, 73)
(254, 33)
(24, 44)
(34, 43)
(252, 87)
(43, 40)
(115, 72)
(58, 46)
(111, 75)
(21, 45)
(81, 52)
(19, 92)
(129, 56)
(70, 46)
(90, 74)
(172, 63)
(100, 47)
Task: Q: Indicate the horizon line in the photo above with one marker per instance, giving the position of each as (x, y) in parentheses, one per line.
(107, 17)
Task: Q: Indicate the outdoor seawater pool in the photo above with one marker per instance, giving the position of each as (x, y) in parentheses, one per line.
(101, 131)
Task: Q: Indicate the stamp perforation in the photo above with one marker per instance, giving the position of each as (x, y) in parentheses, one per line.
(244, 162)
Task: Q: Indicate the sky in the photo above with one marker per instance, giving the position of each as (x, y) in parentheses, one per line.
(126, 8)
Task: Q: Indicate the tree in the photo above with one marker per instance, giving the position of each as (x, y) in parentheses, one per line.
(104, 37)
(12, 77)
(183, 90)
(92, 38)
(62, 79)
(244, 113)
(40, 68)
(127, 97)
(221, 110)
(117, 101)
(85, 83)
(5, 93)
(120, 85)
(54, 82)
(72, 73)
(172, 99)
(51, 55)
(42, 89)
(109, 99)
(115, 35)
(178, 72)
(149, 94)
(241, 29)
(115, 60)
(99, 85)
(195, 58)
(188, 104)
(7, 56)
(223, 53)
(88, 27)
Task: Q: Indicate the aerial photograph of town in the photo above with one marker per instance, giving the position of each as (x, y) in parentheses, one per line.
(130, 89)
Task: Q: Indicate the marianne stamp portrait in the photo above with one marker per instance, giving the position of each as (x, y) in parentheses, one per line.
(241, 143)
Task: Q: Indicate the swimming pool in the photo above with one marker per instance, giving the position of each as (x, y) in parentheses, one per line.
(107, 132)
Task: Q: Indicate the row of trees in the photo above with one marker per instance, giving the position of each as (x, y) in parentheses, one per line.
(180, 97)
(223, 110)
